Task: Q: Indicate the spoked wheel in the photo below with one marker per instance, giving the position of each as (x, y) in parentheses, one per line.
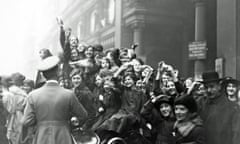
(86, 137)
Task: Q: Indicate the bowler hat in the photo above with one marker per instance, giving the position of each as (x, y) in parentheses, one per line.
(210, 77)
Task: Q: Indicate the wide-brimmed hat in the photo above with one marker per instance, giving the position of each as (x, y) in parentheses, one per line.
(228, 80)
(48, 63)
(209, 77)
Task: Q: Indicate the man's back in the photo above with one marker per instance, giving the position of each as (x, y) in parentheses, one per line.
(50, 108)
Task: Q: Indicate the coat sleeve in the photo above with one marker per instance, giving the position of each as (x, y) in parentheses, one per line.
(29, 118)
(62, 37)
(77, 108)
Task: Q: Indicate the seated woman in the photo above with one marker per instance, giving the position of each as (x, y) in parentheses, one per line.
(158, 114)
(109, 106)
(188, 128)
(132, 102)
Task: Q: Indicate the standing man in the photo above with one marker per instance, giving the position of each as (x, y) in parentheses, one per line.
(218, 112)
(50, 108)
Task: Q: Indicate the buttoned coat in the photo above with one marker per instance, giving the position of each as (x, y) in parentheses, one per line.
(50, 108)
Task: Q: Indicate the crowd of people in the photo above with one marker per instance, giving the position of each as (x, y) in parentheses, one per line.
(128, 101)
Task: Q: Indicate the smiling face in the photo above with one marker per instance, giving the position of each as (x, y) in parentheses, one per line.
(74, 55)
(128, 81)
(165, 78)
(213, 89)
(76, 80)
(231, 89)
(171, 88)
(165, 109)
(181, 112)
(136, 65)
(99, 80)
(105, 63)
(89, 52)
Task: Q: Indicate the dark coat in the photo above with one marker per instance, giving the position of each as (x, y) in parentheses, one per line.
(236, 125)
(66, 52)
(196, 136)
(85, 97)
(218, 120)
(162, 128)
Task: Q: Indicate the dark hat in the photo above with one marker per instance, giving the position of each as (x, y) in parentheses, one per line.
(188, 101)
(163, 99)
(98, 47)
(210, 77)
(228, 80)
(75, 72)
(17, 78)
(29, 82)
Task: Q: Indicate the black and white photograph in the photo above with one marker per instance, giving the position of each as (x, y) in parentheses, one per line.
(120, 72)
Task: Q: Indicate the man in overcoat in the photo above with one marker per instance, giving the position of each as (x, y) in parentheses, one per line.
(218, 112)
(50, 108)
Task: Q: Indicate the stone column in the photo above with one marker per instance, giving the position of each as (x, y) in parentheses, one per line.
(200, 33)
(138, 39)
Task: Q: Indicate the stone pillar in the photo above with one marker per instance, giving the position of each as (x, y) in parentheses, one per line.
(118, 24)
(138, 39)
(200, 33)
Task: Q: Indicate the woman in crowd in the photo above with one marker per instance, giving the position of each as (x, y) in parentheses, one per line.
(188, 127)
(159, 115)
(132, 100)
(87, 66)
(84, 95)
(28, 85)
(230, 88)
(110, 104)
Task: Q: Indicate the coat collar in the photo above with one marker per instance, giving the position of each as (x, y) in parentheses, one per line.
(52, 83)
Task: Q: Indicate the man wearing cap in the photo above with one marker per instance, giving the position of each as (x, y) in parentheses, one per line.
(50, 108)
(218, 112)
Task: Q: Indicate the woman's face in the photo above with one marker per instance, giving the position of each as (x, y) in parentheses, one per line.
(231, 89)
(76, 80)
(139, 84)
(99, 81)
(136, 65)
(89, 52)
(105, 64)
(171, 88)
(74, 54)
(128, 81)
(165, 109)
(181, 112)
(165, 79)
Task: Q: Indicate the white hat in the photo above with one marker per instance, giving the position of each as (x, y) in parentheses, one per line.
(48, 63)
